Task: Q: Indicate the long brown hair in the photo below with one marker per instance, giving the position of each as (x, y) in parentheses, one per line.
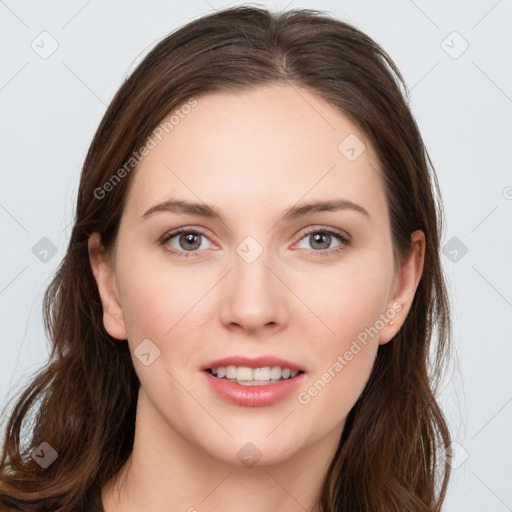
(83, 402)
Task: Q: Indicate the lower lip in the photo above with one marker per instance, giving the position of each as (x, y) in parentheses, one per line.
(253, 396)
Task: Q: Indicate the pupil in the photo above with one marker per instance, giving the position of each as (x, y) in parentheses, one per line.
(189, 239)
(320, 236)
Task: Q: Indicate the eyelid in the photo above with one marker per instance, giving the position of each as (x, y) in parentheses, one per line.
(326, 229)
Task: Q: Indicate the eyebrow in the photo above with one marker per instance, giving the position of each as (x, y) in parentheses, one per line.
(181, 206)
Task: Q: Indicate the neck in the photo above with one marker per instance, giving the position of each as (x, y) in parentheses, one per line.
(165, 470)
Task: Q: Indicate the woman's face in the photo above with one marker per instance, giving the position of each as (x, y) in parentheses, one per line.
(256, 279)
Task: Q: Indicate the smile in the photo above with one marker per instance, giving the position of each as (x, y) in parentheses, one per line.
(247, 376)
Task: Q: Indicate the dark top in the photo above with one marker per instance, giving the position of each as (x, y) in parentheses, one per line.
(93, 503)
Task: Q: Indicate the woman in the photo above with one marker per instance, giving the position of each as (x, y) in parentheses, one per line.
(245, 312)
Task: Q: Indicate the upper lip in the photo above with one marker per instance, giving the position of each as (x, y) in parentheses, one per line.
(253, 362)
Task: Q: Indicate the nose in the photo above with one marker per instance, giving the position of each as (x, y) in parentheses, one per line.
(254, 296)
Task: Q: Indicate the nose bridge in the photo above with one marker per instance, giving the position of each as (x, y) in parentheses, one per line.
(255, 296)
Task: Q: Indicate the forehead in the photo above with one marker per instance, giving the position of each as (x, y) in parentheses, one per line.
(270, 146)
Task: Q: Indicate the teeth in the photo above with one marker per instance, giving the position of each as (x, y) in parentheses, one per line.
(275, 373)
(254, 376)
(262, 374)
(244, 373)
(230, 372)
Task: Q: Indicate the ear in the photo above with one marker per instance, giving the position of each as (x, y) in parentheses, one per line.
(404, 287)
(103, 270)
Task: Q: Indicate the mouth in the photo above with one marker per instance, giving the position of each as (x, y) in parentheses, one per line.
(247, 376)
(253, 382)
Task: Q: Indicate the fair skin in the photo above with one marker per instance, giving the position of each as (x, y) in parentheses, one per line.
(252, 156)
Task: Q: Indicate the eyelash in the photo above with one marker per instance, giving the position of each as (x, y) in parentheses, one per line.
(345, 241)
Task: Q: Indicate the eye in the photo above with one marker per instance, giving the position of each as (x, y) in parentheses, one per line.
(184, 241)
(320, 240)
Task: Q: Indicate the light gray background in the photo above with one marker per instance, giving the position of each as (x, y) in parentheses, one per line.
(462, 101)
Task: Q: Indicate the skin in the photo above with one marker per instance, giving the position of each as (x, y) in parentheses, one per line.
(252, 155)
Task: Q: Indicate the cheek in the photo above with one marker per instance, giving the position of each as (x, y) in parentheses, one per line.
(348, 301)
(345, 342)
(154, 296)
